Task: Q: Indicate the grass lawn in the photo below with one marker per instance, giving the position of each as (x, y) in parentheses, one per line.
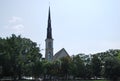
(99, 80)
(73, 80)
(91, 80)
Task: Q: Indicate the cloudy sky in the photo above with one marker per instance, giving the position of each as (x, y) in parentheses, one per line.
(79, 26)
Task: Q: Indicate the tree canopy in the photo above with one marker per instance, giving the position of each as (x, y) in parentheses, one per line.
(16, 53)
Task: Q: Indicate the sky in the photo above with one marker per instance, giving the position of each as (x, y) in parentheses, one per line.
(79, 26)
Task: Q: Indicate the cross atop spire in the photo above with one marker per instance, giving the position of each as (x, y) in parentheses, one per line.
(49, 29)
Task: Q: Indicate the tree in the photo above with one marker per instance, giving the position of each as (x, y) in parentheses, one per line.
(65, 66)
(47, 70)
(88, 71)
(96, 66)
(18, 52)
(37, 69)
(112, 68)
(56, 69)
(118, 56)
(78, 67)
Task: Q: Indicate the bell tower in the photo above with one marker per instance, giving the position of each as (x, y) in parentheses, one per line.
(49, 40)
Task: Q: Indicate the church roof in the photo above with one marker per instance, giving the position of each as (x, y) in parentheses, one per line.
(60, 54)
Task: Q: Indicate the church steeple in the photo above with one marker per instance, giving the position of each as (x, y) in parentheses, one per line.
(49, 29)
(49, 40)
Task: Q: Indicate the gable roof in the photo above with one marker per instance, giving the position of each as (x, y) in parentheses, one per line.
(60, 54)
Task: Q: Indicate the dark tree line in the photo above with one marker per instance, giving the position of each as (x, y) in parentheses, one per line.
(21, 57)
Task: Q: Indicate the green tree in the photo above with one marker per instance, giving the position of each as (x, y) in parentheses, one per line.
(65, 66)
(78, 67)
(18, 52)
(112, 68)
(118, 56)
(47, 70)
(96, 66)
(88, 71)
(56, 69)
(37, 69)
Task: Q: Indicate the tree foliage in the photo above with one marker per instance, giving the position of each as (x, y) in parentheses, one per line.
(96, 66)
(78, 67)
(112, 68)
(16, 53)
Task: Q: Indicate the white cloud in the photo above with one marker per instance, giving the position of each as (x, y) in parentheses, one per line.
(15, 19)
(18, 28)
(15, 25)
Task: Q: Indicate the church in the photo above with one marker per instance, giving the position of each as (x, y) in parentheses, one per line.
(49, 49)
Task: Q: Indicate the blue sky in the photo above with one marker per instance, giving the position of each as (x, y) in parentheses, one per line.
(79, 26)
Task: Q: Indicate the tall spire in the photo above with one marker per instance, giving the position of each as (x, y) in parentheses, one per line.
(49, 29)
(49, 18)
(49, 40)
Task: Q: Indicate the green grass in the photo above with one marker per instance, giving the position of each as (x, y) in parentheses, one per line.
(89, 80)
(73, 80)
(100, 80)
